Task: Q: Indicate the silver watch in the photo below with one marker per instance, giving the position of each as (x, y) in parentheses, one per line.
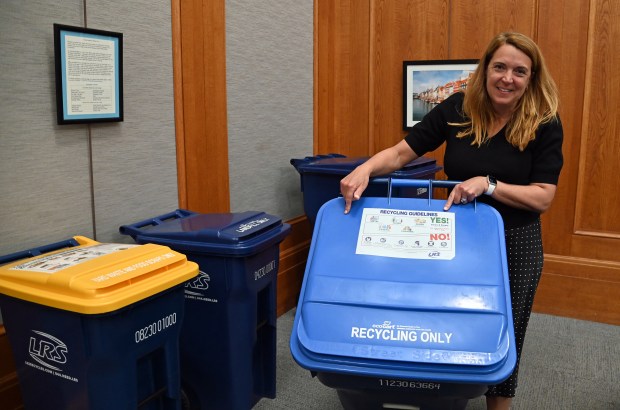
(492, 184)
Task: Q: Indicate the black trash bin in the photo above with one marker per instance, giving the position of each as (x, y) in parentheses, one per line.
(320, 177)
(228, 338)
(404, 305)
(95, 326)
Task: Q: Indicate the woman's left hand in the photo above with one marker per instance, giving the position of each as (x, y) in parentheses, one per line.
(467, 191)
(535, 197)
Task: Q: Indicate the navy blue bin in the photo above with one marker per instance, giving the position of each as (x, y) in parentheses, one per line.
(320, 179)
(404, 305)
(95, 326)
(228, 338)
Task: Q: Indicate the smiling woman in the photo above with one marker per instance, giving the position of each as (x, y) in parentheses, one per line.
(504, 141)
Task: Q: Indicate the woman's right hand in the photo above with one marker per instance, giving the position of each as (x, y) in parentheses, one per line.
(353, 185)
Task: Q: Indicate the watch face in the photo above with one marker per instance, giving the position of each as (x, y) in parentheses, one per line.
(492, 180)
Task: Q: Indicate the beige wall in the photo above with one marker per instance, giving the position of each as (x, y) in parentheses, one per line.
(46, 190)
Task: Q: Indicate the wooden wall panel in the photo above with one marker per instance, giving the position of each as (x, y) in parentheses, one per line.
(293, 255)
(564, 44)
(10, 395)
(581, 231)
(598, 203)
(403, 30)
(581, 234)
(585, 289)
(200, 90)
(341, 77)
(473, 25)
(179, 122)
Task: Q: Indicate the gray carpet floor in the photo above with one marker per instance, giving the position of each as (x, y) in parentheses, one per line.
(566, 364)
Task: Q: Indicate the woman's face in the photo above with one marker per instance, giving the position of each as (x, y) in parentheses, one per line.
(508, 75)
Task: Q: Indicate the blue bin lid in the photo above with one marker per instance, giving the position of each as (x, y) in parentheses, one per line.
(239, 234)
(341, 165)
(437, 311)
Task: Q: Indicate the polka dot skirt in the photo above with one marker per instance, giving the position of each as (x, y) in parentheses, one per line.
(525, 262)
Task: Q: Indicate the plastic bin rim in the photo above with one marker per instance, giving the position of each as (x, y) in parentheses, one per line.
(100, 285)
(341, 165)
(240, 248)
(239, 231)
(444, 373)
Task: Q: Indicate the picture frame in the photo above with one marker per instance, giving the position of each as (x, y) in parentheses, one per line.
(428, 82)
(89, 75)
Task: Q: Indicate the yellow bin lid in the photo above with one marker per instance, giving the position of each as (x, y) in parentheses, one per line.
(96, 277)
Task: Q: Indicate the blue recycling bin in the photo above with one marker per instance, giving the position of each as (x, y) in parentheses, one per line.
(95, 326)
(320, 177)
(228, 338)
(404, 305)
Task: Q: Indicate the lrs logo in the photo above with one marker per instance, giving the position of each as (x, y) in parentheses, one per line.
(45, 348)
(201, 282)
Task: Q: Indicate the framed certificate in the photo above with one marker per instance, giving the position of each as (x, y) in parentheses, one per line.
(89, 75)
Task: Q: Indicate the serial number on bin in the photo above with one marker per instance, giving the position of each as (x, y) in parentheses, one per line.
(409, 384)
(155, 327)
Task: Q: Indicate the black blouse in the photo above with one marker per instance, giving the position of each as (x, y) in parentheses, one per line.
(541, 161)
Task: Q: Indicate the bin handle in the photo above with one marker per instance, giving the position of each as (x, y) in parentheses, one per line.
(297, 161)
(29, 253)
(158, 220)
(417, 183)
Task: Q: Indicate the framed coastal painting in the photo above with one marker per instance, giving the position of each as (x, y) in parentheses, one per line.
(429, 82)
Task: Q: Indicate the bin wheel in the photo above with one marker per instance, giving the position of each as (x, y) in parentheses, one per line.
(187, 399)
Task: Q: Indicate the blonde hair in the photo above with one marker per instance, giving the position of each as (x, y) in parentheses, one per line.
(538, 105)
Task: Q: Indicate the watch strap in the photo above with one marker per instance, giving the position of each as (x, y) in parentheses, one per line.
(492, 185)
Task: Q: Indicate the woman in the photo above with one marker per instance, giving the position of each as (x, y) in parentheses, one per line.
(504, 141)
